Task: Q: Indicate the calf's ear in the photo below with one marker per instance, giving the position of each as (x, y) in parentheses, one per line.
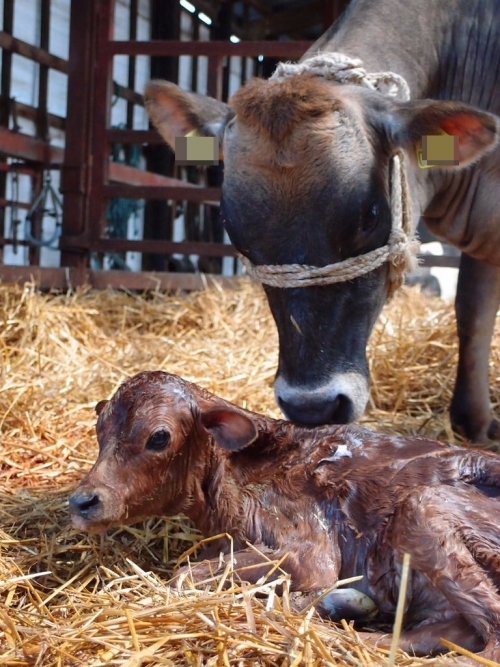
(99, 406)
(175, 113)
(231, 430)
(476, 131)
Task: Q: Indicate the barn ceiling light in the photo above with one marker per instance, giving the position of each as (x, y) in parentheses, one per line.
(260, 58)
(234, 39)
(187, 5)
(206, 19)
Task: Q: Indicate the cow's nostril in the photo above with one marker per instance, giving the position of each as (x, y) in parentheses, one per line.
(82, 503)
(314, 412)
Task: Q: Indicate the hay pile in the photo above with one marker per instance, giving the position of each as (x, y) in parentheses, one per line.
(70, 599)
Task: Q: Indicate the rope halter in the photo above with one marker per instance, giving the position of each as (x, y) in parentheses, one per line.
(402, 246)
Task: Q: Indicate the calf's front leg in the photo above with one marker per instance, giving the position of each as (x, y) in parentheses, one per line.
(263, 563)
(476, 306)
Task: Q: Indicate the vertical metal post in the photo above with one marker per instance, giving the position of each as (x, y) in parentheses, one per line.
(5, 80)
(75, 175)
(158, 218)
(132, 35)
(85, 169)
(42, 126)
(103, 79)
(194, 37)
(214, 80)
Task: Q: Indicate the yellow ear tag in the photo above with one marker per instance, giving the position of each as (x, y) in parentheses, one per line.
(195, 133)
(423, 164)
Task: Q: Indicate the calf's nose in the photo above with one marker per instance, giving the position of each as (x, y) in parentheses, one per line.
(84, 502)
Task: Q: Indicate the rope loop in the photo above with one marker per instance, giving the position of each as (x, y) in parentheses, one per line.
(402, 247)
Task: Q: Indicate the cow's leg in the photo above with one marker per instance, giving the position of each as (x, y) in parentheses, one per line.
(452, 537)
(477, 302)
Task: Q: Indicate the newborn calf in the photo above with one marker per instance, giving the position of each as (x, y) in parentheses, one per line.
(333, 502)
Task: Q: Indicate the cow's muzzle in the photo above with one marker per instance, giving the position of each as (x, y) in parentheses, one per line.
(342, 400)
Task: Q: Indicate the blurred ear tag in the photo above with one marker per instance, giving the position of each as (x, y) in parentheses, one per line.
(195, 150)
(438, 150)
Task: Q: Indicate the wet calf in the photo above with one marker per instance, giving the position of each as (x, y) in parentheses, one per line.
(332, 502)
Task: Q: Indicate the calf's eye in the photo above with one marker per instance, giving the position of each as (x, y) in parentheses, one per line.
(158, 441)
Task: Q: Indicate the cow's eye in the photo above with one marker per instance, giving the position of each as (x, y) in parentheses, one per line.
(372, 216)
(158, 441)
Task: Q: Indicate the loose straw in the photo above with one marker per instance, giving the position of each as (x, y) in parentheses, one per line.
(398, 621)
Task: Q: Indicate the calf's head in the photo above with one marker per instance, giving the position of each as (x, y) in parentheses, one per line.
(306, 181)
(158, 437)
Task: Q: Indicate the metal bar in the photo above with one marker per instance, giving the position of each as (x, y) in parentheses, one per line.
(150, 137)
(24, 147)
(195, 36)
(185, 192)
(215, 48)
(215, 79)
(100, 117)
(78, 151)
(128, 94)
(19, 168)
(159, 247)
(27, 111)
(159, 214)
(4, 203)
(67, 278)
(122, 173)
(42, 124)
(133, 11)
(5, 83)
(38, 55)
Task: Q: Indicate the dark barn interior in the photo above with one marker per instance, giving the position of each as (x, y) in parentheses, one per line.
(88, 192)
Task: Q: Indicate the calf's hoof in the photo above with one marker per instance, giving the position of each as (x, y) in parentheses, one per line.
(341, 603)
(347, 603)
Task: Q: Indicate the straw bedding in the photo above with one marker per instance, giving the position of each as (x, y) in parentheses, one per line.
(70, 599)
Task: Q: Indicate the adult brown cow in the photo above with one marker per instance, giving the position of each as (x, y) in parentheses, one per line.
(307, 182)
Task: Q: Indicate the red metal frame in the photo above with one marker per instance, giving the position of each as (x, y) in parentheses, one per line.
(88, 178)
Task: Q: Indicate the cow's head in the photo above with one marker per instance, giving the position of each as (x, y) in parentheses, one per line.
(307, 182)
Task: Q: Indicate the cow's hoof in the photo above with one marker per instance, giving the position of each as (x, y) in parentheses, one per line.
(494, 432)
(486, 436)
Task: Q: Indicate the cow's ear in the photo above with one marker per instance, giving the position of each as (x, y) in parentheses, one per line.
(232, 430)
(99, 406)
(476, 131)
(175, 113)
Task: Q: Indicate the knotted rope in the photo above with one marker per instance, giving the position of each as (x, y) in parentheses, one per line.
(344, 69)
(402, 246)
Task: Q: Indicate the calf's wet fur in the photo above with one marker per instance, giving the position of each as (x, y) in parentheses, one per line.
(332, 502)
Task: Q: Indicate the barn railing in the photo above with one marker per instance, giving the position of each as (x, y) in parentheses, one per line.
(89, 179)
